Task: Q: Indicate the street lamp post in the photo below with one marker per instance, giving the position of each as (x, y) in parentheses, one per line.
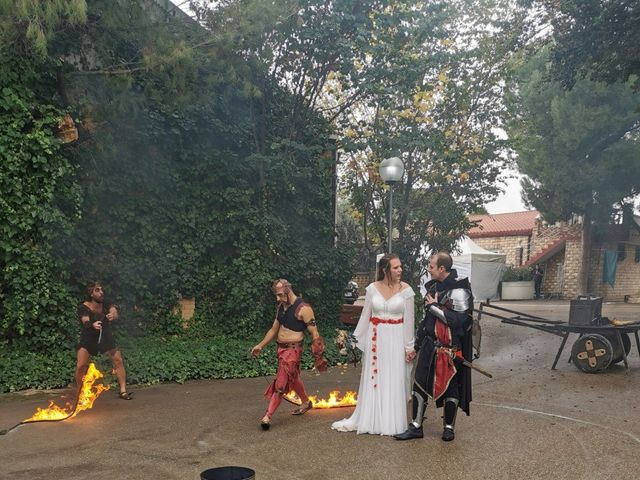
(334, 185)
(391, 171)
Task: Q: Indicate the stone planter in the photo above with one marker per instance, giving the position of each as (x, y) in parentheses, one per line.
(517, 290)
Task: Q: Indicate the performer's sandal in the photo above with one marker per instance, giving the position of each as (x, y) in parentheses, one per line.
(265, 424)
(303, 409)
(125, 396)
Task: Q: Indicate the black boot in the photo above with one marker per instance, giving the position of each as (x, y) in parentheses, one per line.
(410, 433)
(448, 434)
(449, 417)
(415, 427)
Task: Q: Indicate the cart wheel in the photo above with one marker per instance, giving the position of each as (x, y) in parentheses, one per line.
(592, 353)
(617, 355)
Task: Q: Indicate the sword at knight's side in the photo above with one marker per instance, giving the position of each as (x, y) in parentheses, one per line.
(476, 368)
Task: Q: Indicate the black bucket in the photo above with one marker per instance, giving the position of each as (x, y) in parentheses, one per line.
(228, 473)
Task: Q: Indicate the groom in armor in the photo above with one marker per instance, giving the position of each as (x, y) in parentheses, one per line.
(443, 339)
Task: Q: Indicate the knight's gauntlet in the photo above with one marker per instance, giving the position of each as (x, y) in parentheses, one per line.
(437, 311)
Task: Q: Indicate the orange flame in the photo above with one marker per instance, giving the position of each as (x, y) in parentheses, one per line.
(348, 400)
(88, 394)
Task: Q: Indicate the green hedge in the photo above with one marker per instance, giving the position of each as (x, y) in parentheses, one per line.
(153, 359)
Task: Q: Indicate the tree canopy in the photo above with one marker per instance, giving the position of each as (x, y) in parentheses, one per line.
(578, 148)
(595, 39)
(191, 177)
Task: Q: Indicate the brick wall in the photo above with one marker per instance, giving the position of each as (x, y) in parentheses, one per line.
(627, 272)
(572, 266)
(562, 270)
(553, 269)
(507, 245)
(546, 235)
(362, 279)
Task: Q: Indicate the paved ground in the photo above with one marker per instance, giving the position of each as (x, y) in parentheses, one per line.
(528, 422)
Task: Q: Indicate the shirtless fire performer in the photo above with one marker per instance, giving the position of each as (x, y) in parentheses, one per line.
(293, 317)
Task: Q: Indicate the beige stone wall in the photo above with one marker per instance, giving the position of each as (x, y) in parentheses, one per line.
(553, 269)
(563, 269)
(185, 308)
(561, 272)
(507, 245)
(544, 236)
(572, 267)
(627, 272)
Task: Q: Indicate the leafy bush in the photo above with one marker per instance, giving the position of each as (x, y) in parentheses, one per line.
(22, 368)
(37, 205)
(517, 274)
(155, 359)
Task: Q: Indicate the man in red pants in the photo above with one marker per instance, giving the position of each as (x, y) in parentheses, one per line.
(293, 317)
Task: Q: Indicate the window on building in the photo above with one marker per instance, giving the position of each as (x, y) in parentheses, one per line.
(637, 259)
(622, 252)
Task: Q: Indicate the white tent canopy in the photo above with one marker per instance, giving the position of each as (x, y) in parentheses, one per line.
(482, 267)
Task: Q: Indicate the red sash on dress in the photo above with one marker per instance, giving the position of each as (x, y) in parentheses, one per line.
(374, 346)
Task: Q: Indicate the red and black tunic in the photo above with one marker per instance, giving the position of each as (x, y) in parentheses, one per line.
(437, 375)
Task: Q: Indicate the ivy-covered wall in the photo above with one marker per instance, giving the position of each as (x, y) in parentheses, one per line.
(189, 179)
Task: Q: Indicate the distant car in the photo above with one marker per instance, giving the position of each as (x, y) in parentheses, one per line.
(350, 293)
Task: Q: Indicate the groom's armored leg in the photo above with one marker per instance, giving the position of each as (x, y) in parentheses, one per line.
(419, 405)
(449, 418)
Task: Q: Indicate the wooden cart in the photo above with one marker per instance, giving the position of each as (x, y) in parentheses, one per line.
(597, 347)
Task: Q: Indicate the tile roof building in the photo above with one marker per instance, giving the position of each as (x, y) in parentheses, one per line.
(503, 224)
(526, 239)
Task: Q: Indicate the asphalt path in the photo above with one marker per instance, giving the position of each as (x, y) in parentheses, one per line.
(528, 422)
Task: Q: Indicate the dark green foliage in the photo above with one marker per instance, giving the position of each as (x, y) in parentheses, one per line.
(23, 368)
(595, 39)
(190, 178)
(153, 359)
(517, 274)
(578, 148)
(37, 204)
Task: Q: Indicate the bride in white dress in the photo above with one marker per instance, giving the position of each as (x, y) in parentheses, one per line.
(385, 334)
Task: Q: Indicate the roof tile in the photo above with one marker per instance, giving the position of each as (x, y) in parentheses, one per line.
(503, 224)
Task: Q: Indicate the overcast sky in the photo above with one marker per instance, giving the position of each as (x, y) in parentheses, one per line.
(510, 200)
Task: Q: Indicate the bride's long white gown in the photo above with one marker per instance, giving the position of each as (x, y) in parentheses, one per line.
(384, 381)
